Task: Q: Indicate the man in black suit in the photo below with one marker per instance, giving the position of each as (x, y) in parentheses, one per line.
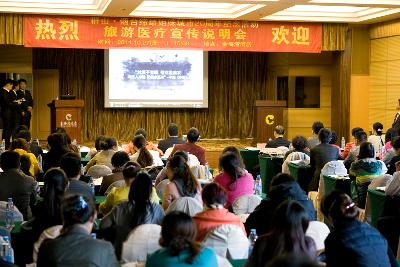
(173, 138)
(320, 155)
(279, 132)
(27, 103)
(9, 108)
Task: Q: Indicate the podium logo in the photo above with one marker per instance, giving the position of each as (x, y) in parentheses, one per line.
(269, 119)
(68, 117)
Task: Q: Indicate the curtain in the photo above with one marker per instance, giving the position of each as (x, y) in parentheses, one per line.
(11, 29)
(236, 80)
(385, 29)
(334, 36)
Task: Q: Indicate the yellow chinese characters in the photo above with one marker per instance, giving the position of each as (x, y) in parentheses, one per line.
(68, 30)
(45, 30)
(300, 35)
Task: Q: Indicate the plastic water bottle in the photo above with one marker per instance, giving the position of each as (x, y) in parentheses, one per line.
(258, 186)
(40, 162)
(342, 143)
(93, 235)
(3, 146)
(91, 184)
(9, 213)
(252, 240)
(37, 142)
(7, 252)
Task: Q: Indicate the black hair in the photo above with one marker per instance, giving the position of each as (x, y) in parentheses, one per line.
(361, 136)
(25, 134)
(281, 178)
(367, 151)
(99, 140)
(334, 138)
(299, 143)
(25, 162)
(231, 165)
(144, 159)
(181, 170)
(20, 128)
(178, 233)
(355, 130)
(389, 134)
(378, 127)
(107, 143)
(22, 81)
(19, 143)
(10, 160)
(71, 164)
(142, 132)
(119, 159)
(15, 84)
(235, 151)
(140, 195)
(55, 184)
(173, 129)
(7, 81)
(193, 135)
(213, 193)
(339, 207)
(396, 142)
(324, 135)
(58, 142)
(76, 209)
(292, 260)
(317, 126)
(130, 170)
(183, 154)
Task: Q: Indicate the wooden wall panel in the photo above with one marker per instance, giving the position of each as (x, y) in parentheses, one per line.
(379, 50)
(378, 72)
(393, 47)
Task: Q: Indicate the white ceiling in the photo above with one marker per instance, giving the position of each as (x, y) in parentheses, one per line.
(351, 11)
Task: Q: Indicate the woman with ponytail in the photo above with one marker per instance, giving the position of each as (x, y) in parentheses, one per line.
(233, 178)
(75, 246)
(182, 182)
(352, 243)
(143, 156)
(47, 212)
(179, 248)
(138, 210)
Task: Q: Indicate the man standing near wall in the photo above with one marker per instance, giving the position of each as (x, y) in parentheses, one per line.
(27, 102)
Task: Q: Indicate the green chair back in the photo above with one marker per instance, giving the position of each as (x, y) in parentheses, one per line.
(376, 200)
(238, 263)
(302, 174)
(250, 159)
(269, 167)
(331, 184)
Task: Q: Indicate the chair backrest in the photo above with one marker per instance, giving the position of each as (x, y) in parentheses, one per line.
(201, 172)
(141, 241)
(295, 156)
(98, 171)
(228, 241)
(17, 215)
(188, 205)
(119, 183)
(246, 204)
(50, 233)
(160, 187)
(318, 231)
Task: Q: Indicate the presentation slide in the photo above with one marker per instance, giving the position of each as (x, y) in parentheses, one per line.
(137, 78)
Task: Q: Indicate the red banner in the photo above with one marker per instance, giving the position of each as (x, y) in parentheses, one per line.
(209, 35)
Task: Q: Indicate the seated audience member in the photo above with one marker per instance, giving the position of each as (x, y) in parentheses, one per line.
(283, 187)
(387, 150)
(334, 140)
(58, 146)
(351, 144)
(118, 160)
(33, 145)
(72, 147)
(377, 138)
(18, 129)
(138, 210)
(279, 132)
(365, 169)
(235, 151)
(214, 214)
(299, 144)
(178, 235)
(396, 158)
(360, 137)
(190, 146)
(320, 155)
(25, 165)
(15, 184)
(352, 243)
(313, 140)
(20, 146)
(233, 178)
(108, 148)
(287, 235)
(75, 246)
(47, 211)
(97, 145)
(182, 182)
(293, 260)
(393, 187)
(71, 165)
(143, 156)
(130, 148)
(172, 139)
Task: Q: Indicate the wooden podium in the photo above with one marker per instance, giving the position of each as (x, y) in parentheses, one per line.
(67, 114)
(267, 116)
